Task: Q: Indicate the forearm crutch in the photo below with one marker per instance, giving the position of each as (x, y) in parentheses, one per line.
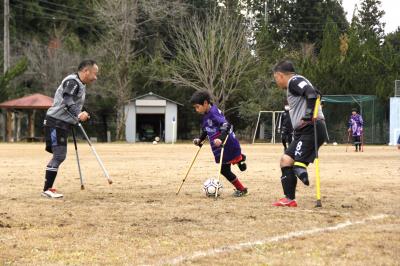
(77, 159)
(220, 164)
(91, 147)
(317, 177)
(362, 141)
(190, 167)
(348, 140)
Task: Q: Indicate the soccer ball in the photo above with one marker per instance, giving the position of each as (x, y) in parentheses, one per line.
(210, 187)
(334, 144)
(155, 142)
(157, 139)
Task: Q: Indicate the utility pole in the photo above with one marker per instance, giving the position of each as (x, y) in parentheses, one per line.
(6, 35)
(266, 13)
(6, 59)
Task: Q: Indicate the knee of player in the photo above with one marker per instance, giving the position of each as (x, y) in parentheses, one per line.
(225, 170)
(60, 157)
(300, 170)
(286, 161)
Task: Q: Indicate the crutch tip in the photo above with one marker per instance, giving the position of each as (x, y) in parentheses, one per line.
(82, 187)
(318, 204)
(110, 181)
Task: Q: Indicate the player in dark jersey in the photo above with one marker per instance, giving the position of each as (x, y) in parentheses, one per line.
(71, 95)
(301, 96)
(216, 128)
(285, 127)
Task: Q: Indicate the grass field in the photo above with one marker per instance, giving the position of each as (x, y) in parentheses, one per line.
(140, 221)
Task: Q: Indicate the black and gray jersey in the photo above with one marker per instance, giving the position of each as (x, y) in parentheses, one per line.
(71, 95)
(297, 88)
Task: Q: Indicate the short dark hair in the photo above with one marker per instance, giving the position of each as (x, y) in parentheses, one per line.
(354, 110)
(199, 97)
(285, 66)
(86, 63)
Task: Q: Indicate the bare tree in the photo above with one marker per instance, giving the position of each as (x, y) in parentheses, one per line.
(117, 51)
(212, 54)
(123, 19)
(48, 62)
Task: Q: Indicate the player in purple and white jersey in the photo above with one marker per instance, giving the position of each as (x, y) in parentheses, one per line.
(217, 129)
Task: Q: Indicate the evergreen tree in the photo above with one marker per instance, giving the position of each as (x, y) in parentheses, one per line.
(370, 19)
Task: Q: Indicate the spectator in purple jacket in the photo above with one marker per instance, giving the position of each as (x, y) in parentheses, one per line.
(355, 126)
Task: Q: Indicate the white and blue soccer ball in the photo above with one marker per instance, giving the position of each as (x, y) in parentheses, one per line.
(210, 187)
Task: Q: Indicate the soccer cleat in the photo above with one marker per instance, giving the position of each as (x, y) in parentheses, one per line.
(52, 193)
(285, 202)
(242, 165)
(240, 193)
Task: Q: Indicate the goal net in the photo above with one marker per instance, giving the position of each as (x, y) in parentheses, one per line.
(337, 110)
(266, 127)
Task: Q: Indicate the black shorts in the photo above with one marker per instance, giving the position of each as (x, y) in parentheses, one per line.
(357, 139)
(55, 137)
(287, 137)
(302, 148)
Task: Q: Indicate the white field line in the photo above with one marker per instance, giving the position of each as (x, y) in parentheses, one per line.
(246, 245)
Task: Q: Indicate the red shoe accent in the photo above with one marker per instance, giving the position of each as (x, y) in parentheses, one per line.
(285, 202)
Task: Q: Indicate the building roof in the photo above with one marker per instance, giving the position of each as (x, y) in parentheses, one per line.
(34, 101)
(156, 95)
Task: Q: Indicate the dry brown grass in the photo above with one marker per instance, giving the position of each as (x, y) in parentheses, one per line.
(140, 220)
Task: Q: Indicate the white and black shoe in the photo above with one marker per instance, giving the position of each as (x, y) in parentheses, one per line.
(240, 193)
(52, 193)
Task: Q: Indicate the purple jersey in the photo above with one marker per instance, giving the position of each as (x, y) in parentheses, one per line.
(212, 121)
(356, 124)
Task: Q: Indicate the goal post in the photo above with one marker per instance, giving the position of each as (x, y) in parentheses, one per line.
(266, 126)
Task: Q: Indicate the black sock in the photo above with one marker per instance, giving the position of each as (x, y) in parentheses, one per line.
(49, 179)
(289, 182)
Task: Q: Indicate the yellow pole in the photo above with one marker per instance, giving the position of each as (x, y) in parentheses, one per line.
(190, 167)
(317, 176)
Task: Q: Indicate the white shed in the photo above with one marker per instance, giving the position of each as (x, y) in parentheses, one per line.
(150, 116)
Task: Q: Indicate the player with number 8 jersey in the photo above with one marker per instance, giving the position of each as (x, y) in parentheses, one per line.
(301, 96)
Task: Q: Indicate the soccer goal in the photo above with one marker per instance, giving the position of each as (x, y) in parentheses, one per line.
(266, 127)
